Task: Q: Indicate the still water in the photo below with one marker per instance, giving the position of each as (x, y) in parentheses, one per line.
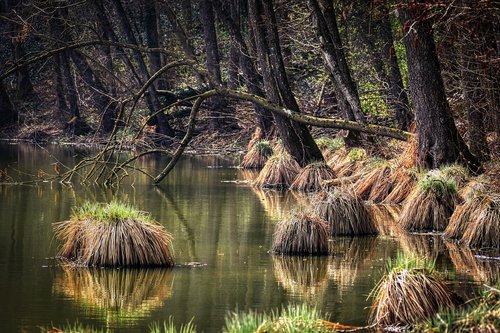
(216, 219)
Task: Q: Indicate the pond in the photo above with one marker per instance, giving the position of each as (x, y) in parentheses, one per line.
(217, 220)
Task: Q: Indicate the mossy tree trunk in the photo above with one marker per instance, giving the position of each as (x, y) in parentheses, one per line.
(439, 142)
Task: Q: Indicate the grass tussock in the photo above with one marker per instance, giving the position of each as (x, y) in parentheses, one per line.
(337, 157)
(484, 229)
(310, 178)
(352, 162)
(257, 156)
(302, 233)
(292, 319)
(459, 173)
(279, 172)
(482, 315)
(114, 235)
(385, 218)
(430, 205)
(303, 276)
(402, 181)
(346, 214)
(329, 146)
(410, 292)
(373, 185)
(461, 218)
(119, 293)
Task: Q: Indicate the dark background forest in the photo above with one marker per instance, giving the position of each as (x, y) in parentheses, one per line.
(85, 71)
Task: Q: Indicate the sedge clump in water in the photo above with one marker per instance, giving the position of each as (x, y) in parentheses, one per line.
(114, 235)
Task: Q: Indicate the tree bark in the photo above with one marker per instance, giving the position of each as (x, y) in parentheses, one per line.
(397, 96)
(252, 80)
(219, 117)
(296, 137)
(7, 113)
(162, 125)
(439, 142)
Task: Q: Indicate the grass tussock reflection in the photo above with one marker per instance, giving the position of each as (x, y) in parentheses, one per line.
(480, 269)
(348, 254)
(277, 204)
(422, 245)
(122, 293)
(306, 277)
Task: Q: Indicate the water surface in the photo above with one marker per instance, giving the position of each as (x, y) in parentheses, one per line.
(216, 220)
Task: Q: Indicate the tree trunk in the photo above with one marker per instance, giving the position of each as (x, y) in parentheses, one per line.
(7, 113)
(334, 58)
(296, 137)
(397, 96)
(162, 125)
(439, 142)
(251, 78)
(219, 115)
(234, 49)
(101, 98)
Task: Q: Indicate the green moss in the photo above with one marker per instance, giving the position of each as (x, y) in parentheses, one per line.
(331, 144)
(438, 183)
(264, 147)
(357, 154)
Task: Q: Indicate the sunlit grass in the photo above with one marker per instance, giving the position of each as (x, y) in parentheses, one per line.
(292, 319)
(73, 328)
(169, 327)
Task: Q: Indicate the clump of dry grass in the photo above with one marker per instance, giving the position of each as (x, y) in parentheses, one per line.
(346, 214)
(257, 156)
(402, 181)
(310, 178)
(385, 219)
(373, 185)
(430, 204)
(410, 292)
(352, 162)
(335, 158)
(484, 229)
(279, 172)
(457, 172)
(301, 233)
(460, 220)
(329, 146)
(114, 235)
